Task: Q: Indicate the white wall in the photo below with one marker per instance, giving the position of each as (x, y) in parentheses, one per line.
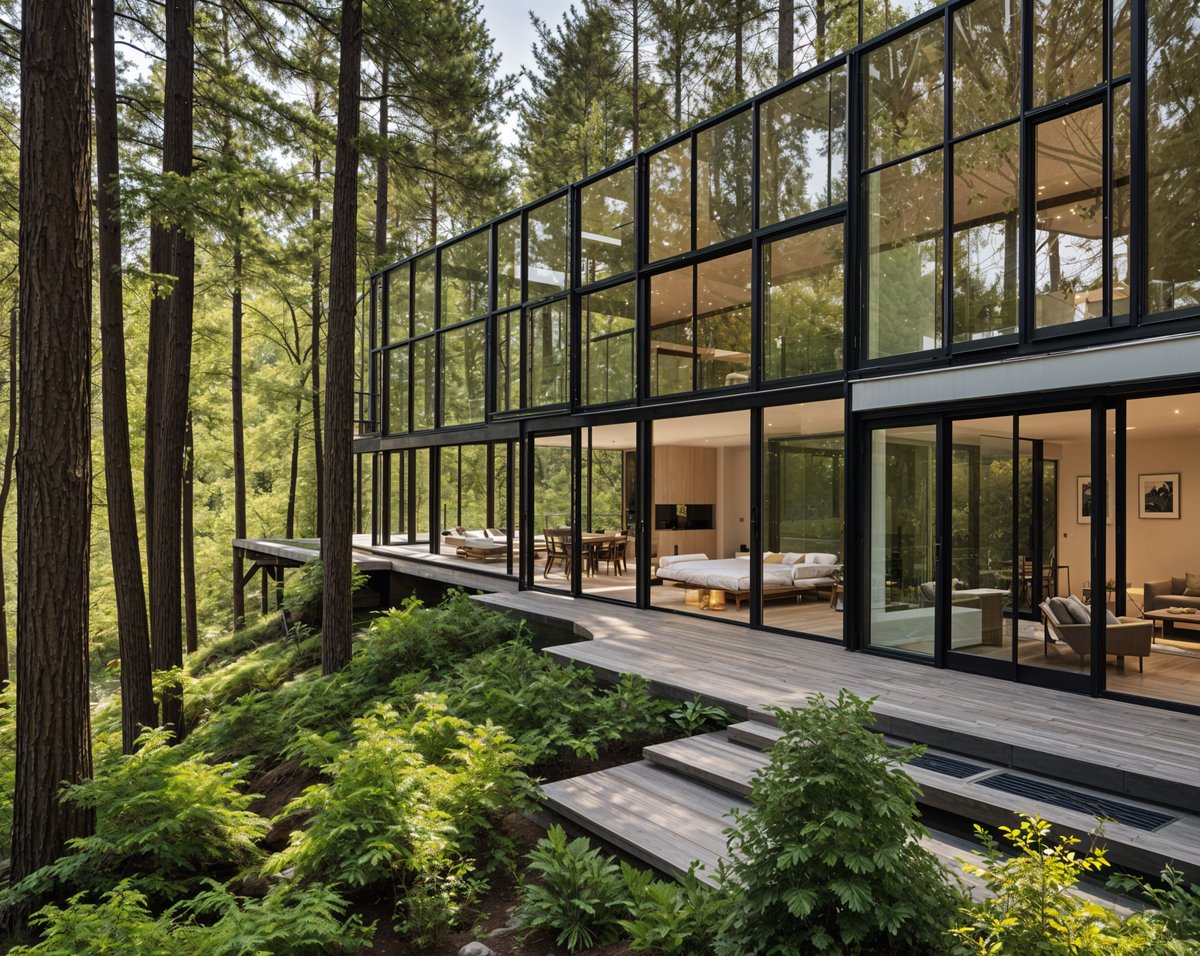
(733, 500)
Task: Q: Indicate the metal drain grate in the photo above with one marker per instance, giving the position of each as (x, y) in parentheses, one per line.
(1137, 817)
(951, 767)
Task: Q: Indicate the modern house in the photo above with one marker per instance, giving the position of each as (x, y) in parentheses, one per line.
(897, 354)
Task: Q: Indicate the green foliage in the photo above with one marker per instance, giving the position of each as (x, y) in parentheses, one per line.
(165, 816)
(302, 597)
(1176, 902)
(289, 919)
(581, 896)
(682, 916)
(1031, 908)
(8, 760)
(828, 857)
(410, 801)
(551, 710)
(695, 717)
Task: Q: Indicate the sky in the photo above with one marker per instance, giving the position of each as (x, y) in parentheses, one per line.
(508, 21)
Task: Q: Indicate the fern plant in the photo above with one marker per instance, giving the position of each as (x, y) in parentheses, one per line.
(682, 916)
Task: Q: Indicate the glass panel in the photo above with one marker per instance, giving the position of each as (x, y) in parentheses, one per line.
(1069, 237)
(423, 291)
(904, 94)
(366, 495)
(548, 246)
(609, 496)
(879, 17)
(462, 374)
(1121, 211)
(397, 465)
(423, 364)
(1173, 164)
(397, 364)
(724, 172)
(465, 279)
(1120, 38)
(1068, 47)
(981, 535)
(723, 321)
(671, 201)
(701, 506)
(671, 355)
(902, 572)
(606, 227)
(421, 495)
(553, 527)
(803, 304)
(549, 354)
(802, 159)
(986, 180)
(508, 263)
(508, 361)
(824, 28)
(469, 505)
(398, 315)
(904, 269)
(609, 328)
(987, 63)
(804, 467)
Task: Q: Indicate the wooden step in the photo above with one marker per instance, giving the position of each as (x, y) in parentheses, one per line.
(1177, 843)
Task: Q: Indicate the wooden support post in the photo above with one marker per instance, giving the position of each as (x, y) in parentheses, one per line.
(263, 586)
(279, 586)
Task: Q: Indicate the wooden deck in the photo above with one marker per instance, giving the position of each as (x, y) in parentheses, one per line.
(1110, 746)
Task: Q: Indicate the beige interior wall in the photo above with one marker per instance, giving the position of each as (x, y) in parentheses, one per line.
(733, 507)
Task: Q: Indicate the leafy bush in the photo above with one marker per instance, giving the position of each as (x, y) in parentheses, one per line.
(696, 717)
(828, 857)
(1032, 910)
(290, 919)
(681, 916)
(1176, 902)
(165, 816)
(409, 801)
(302, 597)
(8, 760)
(551, 710)
(581, 896)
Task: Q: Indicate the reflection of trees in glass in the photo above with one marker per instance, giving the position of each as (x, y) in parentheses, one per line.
(981, 502)
(547, 258)
(722, 331)
(397, 365)
(605, 506)
(904, 94)
(608, 327)
(398, 306)
(986, 178)
(423, 294)
(548, 349)
(508, 263)
(464, 279)
(1121, 211)
(987, 63)
(551, 486)
(421, 493)
(1068, 47)
(508, 361)
(423, 383)
(904, 270)
(606, 227)
(803, 303)
(881, 15)
(723, 173)
(803, 495)
(462, 374)
(670, 226)
(907, 526)
(1173, 164)
(802, 150)
(824, 28)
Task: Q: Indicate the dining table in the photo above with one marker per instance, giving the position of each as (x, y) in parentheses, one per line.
(590, 542)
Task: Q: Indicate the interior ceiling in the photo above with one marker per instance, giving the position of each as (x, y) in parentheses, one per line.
(1168, 416)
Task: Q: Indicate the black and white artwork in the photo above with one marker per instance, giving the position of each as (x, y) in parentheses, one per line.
(1158, 496)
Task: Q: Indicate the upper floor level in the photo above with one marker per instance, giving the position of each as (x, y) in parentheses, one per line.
(991, 177)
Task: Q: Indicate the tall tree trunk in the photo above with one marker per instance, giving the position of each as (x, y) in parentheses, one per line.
(637, 81)
(433, 195)
(239, 435)
(54, 461)
(133, 630)
(318, 451)
(338, 508)
(294, 475)
(785, 61)
(739, 31)
(10, 447)
(381, 172)
(191, 629)
(170, 361)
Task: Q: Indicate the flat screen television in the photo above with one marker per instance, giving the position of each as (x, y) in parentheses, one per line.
(683, 517)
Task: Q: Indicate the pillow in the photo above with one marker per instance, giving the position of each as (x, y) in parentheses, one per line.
(822, 558)
(1192, 585)
(806, 572)
(793, 557)
(1080, 612)
(670, 559)
(1061, 610)
(474, 534)
(1110, 618)
(773, 557)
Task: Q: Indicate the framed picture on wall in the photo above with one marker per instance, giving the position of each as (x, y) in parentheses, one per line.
(1084, 503)
(1158, 496)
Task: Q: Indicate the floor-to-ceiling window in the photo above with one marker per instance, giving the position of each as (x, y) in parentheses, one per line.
(552, 535)
(608, 496)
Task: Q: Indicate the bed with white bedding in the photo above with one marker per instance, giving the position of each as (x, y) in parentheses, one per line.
(732, 575)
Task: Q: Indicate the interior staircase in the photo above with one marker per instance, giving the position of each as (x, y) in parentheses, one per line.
(671, 809)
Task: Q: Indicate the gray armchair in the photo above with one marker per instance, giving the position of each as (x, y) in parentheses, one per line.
(1129, 637)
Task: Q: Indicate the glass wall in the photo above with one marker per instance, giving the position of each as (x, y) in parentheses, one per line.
(607, 227)
(803, 303)
(548, 263)
(803, 509)
(548, 350)
(398, 379)
(553, 532)
(473, 504)
(608, 319)
(398, 289)
(724, 170)
(508, 263)
(670, 214)
(904, 82)
(607, 537)
(464, 279)
(463, 361)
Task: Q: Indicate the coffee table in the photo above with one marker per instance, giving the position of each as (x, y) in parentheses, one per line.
(1170, 622)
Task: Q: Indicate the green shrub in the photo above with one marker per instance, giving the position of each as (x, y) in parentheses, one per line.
(1176, 902)
(1031, 908)
(290, 919)
(408, 802)
(162, 815)
(305, 587)
(581, 896)
(696, 717)
(828, 857)
(682, 916)
(8, 760)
